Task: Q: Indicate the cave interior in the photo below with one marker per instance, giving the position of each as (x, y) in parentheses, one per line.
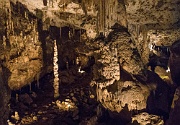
(89, 62)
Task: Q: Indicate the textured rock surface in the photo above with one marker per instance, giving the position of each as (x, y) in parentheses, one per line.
(25, 61)
(174, 114)
(145, 118)
(160, 16)
(174, 67)
(174, 61)
(128, 95)
(164, 13)
(107, 66)
(5, 96)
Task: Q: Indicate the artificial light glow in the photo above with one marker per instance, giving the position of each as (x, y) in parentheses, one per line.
(151, 47)
(66, 105)
(168, 70)
(81, 71)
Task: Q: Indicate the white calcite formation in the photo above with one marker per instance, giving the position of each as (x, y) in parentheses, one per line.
(56, 74)
(108, 66)
(111, 58)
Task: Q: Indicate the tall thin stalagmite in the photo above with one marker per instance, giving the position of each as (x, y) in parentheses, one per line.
(56, 74)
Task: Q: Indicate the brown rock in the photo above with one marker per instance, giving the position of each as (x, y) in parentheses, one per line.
(25, 98)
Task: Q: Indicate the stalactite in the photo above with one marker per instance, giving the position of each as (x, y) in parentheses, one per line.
(51, 3)
(144, 31)
(56, 74)
(137, 29)
(73, 32)
(25, 15)
(77, 60)
(17, 97)
(60, 32)
(12, 25)
(97, 87)
(37, 78)
(69, 34)
(104, 16)
(80, 36)
(4, 42)
(7, 29)
(18, 4)
(30, 87)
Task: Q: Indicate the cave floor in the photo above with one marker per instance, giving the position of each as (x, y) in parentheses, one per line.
(76, 104)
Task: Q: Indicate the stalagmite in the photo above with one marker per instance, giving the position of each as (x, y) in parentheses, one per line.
(4, 42)
(137, 29)
(80, 36)
(77, 61)
(69, 34)
(12, 25)
(30, 87)
(73, 31)
(56, 75)
(17, 97)
(144, 29)
(67, 65)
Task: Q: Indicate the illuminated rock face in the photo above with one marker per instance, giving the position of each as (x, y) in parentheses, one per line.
(161, 16)
(127, 96)
(26, 67)
(114, 91)
(161, 12)
(108, 66)
(145, 118)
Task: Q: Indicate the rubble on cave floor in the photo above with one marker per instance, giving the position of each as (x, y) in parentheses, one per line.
(75, 104)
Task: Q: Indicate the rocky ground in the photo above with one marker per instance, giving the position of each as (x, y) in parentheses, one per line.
(76, 104)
